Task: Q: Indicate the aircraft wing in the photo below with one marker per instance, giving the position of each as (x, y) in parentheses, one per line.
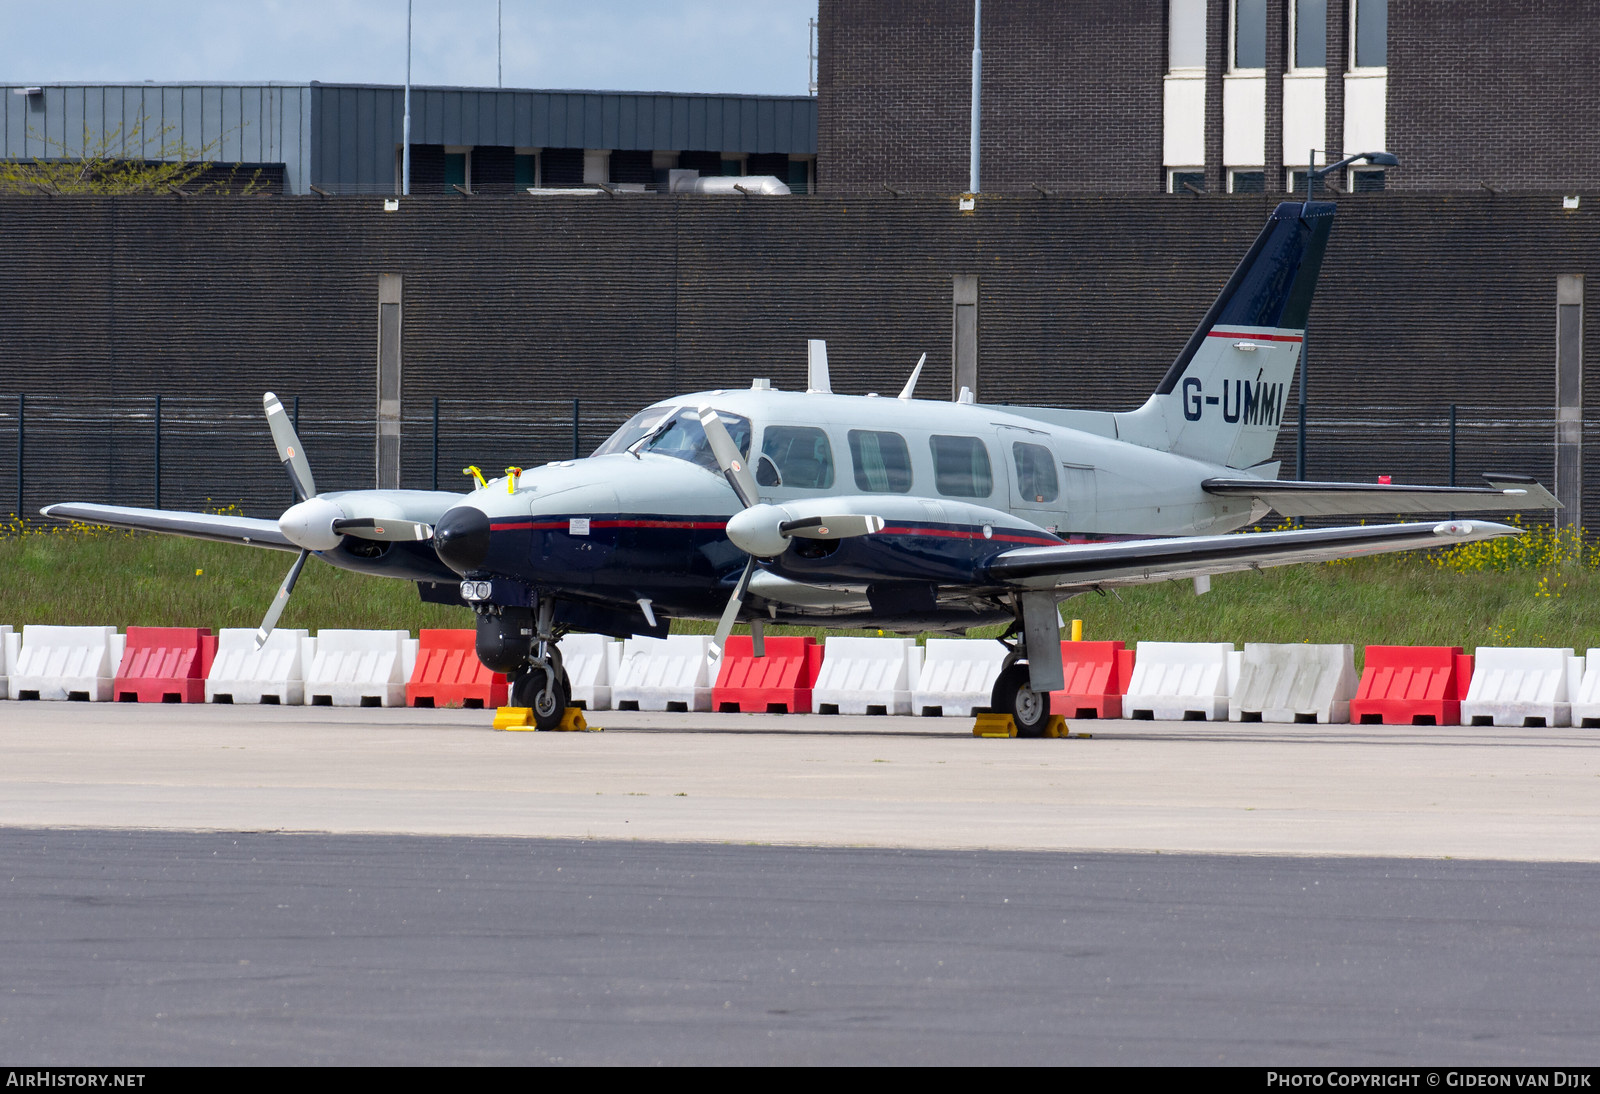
(1325, 499)
(1144, 561)
(250, 531)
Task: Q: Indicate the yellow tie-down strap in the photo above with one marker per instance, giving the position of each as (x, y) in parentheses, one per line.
(521, 719)
(1003, 725)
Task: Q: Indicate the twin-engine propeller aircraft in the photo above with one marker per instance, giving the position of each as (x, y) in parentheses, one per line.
(809, 507)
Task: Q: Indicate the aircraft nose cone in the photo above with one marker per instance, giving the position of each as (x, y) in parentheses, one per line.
(461, 538)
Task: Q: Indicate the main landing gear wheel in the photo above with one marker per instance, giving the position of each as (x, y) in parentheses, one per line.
(548, 703)
(1012, 695)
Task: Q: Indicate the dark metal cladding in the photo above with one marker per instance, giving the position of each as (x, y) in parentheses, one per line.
(1273, 284)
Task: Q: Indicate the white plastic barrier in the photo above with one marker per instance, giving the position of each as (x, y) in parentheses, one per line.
(1586, 695)
(664, 674)
(275, 673)
(1182, 681)
(361, 668)
(67, 663)
(1294, 683)
(958, 675)
(10, 645)
(588, 660)
(867, 676)
(1522, 686)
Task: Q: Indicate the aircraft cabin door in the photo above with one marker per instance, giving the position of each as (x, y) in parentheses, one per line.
(1034, 471)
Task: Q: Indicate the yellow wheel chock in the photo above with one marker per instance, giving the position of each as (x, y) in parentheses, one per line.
(520, 719)
(1003, 725)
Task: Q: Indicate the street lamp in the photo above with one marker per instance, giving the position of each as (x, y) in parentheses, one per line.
(1313, 175)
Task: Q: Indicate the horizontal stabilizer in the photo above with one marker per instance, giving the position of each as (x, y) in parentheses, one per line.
(250, 531)
(1143, 561)
(1326, 499)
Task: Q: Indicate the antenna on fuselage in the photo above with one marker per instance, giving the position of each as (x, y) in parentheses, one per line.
(817, 367)
(911, 384)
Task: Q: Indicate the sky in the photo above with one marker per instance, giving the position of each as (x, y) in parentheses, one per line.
(759, 47)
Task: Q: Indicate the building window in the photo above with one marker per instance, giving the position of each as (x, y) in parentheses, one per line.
(1186, 180)
(596, 166)
(1297, 183)
(732, 166)
(1186, 35)
(1247, 180)
(1367, 180)
(1371, 33)
(457, 169)
(1310, 33)
(527, 171)
(1249, 34)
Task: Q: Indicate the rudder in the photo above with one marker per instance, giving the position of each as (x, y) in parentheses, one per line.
(1224, 397)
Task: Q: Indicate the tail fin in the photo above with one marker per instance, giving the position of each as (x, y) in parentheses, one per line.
(1223, 398)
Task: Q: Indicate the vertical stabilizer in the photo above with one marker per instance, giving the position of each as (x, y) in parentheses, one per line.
(1223, 399)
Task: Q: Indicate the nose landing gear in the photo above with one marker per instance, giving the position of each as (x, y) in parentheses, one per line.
(522, 644)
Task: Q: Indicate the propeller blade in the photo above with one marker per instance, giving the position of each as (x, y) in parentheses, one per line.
(841, 527)
(730, 614)
(290, 453)
(381, 528)
(282, 599)
(728, 458)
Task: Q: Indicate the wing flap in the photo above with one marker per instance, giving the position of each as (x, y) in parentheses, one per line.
(249, 531)
(1141, 562)
(1327, 499)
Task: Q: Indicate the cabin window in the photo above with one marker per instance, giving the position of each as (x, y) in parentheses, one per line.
(795, 455)
(961, 467)
(1036, 473)
(882, 462)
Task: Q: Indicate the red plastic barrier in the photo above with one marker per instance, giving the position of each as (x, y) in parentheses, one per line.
(1412, 686)
(779, 683)
(165, 665)
(1097, 676)
(449, 674)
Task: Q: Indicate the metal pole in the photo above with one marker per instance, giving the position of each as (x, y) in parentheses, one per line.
(296, 432)
(436, 442)
(1452, 444)
(499, 44)
(158, 452)
(574, 429)
(405, 129)
(1452, 449)
(1305, 377)
(22, 417)
(977, 92)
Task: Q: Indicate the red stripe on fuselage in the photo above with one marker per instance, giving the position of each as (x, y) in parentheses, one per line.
(1263, 337)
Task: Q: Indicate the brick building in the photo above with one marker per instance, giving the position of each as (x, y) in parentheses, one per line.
(1148, 95)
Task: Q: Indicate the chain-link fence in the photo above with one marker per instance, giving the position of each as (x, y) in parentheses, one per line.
(203, 453)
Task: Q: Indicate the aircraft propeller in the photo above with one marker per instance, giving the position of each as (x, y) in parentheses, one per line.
(315, 523)
(762, 530)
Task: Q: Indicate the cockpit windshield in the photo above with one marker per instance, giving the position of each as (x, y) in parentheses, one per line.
(670, 431)
(684, 438)
(634, 428)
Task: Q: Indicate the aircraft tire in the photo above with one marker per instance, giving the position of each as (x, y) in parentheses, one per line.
(528, 690)
(1012, 695)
